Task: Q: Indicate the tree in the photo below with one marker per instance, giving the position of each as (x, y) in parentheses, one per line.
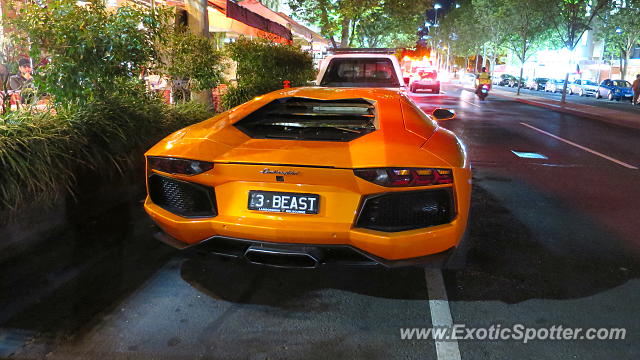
(528, 29)
(263, 66)
(490, 16)
(89, 50)
(460, 26)
(369, 22)
(193, 59)
(621, 31)
(570, 20)
(392, 23)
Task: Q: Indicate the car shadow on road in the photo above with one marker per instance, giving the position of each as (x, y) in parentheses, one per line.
(240, 282)
(531, 246)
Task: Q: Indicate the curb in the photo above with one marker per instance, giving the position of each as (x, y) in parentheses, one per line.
(630, 123)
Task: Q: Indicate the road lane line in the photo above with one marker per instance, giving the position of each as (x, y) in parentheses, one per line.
(440, 314)
(470, 103)
(582, 147)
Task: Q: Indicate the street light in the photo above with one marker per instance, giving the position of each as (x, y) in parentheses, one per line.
(436, 7)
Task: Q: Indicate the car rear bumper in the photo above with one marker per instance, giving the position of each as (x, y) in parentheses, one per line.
(431, 86)
(290, 255)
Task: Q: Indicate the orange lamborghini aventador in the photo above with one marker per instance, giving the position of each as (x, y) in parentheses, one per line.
(308, 176)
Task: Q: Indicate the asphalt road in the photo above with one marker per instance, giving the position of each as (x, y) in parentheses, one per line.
(553, 241)
(623, 105)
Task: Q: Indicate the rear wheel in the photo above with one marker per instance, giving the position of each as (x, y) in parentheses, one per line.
(598, 95)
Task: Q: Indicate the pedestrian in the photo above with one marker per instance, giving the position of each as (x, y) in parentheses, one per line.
(22, 83)
(24, 78)
(636, 90)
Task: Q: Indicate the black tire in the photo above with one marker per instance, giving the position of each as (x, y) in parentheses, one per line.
(598, 96)
(610, 96)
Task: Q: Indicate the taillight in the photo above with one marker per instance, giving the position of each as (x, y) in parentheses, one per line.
(396, 177)
(178, 166)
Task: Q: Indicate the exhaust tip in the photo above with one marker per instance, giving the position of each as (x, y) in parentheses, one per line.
(280, 258)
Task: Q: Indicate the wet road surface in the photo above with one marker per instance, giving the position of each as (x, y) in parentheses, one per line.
(553, 241)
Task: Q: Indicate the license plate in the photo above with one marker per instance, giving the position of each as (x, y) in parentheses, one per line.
(294, 203)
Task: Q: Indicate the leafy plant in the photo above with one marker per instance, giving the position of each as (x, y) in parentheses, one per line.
(195, 60)
(263, 66)
(88, 48)
(41, 152)
(620, 31)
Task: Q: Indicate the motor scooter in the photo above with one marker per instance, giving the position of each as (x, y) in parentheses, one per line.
(483, 91)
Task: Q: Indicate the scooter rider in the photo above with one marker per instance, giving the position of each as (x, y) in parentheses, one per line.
(483, 79)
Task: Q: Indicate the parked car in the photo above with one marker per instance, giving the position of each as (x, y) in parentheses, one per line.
(523, 82)
(614, 90)
(583, 87)
(307, 176)
(504, 80)
(536, 83)
(554, 85)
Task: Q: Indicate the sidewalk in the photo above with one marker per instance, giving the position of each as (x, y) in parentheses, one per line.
(621, 118)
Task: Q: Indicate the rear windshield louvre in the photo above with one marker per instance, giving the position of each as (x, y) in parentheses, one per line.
(309, 119)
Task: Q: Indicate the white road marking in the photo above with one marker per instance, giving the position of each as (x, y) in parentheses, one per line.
(582, 147)
(440, 314)
(470, 103)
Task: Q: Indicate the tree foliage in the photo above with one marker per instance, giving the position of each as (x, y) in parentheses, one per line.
(620, 31)
(263, 66)
(571, 18)
(364, 23)
(88, 49)
(195, 59)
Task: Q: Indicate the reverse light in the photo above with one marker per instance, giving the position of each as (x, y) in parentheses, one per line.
(396, 177)
(178, 166)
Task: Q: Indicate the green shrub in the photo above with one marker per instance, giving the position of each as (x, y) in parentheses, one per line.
(263, 66)
(41, 152)
(90, 47)
(194, 58)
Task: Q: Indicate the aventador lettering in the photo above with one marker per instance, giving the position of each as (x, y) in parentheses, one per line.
(278, 172)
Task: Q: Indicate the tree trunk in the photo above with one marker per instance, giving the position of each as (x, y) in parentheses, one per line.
(198, 22)
(623, 64)
(484, 56)
(520, 79)
(344, 40)
(564, 89)
(333, 42)
(522, 60)
(352, 32)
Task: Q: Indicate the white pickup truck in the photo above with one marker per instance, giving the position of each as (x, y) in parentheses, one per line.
(361, 70)
(368, 70)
